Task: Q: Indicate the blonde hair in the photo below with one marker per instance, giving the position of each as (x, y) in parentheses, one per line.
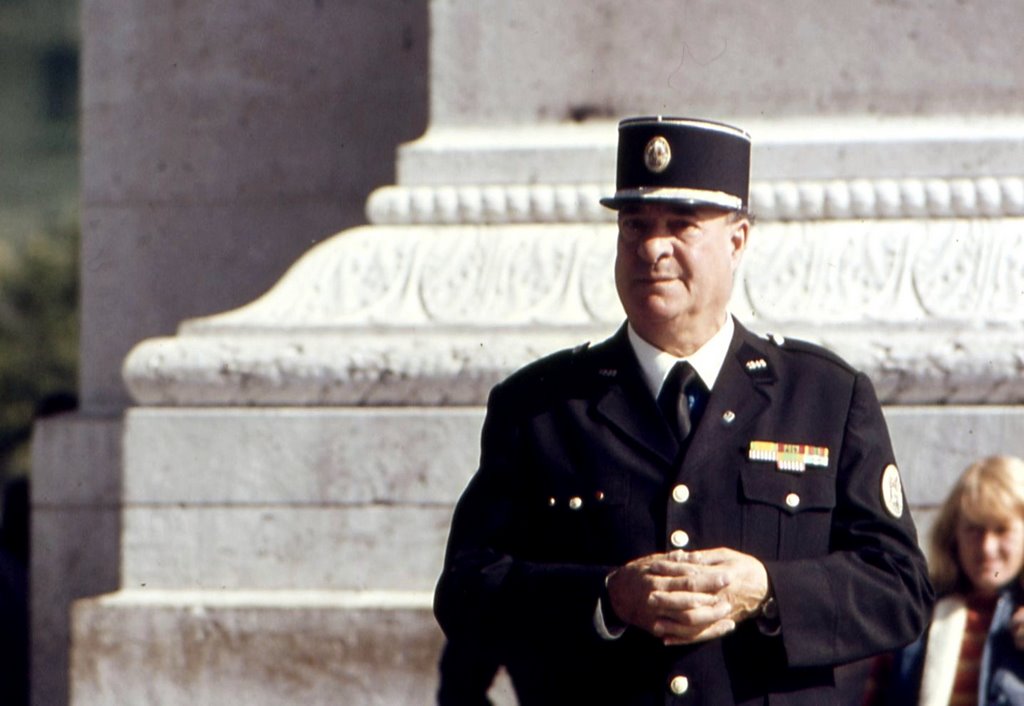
(992, 488)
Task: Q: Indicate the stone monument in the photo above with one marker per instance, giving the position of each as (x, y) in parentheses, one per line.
(289, 466)
(219, 142)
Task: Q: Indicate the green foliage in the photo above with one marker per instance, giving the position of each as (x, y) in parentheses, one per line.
(38, 335)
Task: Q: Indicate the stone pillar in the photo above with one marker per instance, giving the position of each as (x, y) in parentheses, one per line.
(289, 466)
(219, 142)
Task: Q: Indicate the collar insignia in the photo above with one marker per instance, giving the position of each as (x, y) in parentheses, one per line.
(757, 364)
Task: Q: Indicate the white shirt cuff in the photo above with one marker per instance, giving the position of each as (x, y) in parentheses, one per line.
(602, 628)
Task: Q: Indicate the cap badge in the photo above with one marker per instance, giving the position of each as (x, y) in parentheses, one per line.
(657, 154)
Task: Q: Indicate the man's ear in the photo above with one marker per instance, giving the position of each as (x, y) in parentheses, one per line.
(738, 236)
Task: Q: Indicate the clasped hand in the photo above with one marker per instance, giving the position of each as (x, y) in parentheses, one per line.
(685, 597)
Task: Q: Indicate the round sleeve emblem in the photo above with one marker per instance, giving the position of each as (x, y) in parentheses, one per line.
(892, 491)
(657, 154)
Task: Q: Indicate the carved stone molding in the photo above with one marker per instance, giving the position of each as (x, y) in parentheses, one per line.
(942, 276)
(437, 315)
(812, 200)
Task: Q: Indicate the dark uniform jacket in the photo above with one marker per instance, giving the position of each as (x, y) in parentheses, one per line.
(577, 476)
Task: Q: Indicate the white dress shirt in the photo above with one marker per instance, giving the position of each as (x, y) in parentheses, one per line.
(655, 365)
(706, 360)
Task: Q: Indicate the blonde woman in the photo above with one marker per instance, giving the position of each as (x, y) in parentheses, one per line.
(973, 650)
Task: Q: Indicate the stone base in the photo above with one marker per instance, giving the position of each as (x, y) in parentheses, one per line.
(295, 499)
(257, 649)
(76, 533)
(292, 499)
(306, 481)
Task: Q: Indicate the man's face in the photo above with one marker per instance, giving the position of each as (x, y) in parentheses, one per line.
(674, 268)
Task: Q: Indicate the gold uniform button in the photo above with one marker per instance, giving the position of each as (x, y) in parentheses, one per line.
(680, 493)
(679, 685)
(793, 500)
(680, 539)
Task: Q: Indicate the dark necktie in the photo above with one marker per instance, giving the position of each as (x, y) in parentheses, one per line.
(682, 398)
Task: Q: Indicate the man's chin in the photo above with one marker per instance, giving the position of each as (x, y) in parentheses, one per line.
(654, 313)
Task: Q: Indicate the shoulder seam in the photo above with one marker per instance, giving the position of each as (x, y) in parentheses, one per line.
(797, 345)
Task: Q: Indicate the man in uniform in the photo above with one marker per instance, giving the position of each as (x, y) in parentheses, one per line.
(686, 513)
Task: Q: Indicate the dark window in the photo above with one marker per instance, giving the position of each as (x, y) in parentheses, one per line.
(60, 83)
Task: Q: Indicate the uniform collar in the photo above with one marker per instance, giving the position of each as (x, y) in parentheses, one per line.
(707, 360)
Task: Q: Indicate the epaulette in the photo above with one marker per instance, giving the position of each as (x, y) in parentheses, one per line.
(800, 346)
(562, 360)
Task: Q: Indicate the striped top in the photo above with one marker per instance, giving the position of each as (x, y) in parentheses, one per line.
(980, 610)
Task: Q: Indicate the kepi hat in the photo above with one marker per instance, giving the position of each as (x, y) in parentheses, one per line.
(681, 161)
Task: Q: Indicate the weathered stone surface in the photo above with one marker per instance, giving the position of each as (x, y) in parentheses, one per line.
(243, 498)
(891, 229)
(358, 458)
(77, 557)
(199, 187)
(76, 531)
(300, 457)
(480, 172)
(720, 59)
(242, 648)
(198, 191)
(93, 479)
(386, 546)
(197, 642)
(934, 445)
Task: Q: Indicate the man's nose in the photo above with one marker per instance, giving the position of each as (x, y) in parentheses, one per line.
(654, 247)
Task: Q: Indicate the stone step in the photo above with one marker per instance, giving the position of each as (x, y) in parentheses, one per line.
(257, 648)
